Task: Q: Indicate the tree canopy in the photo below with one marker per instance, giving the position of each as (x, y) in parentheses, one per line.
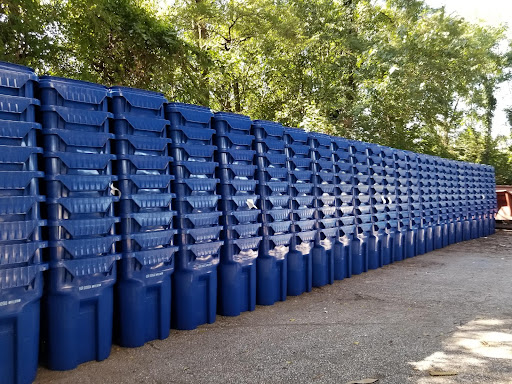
(394, 72)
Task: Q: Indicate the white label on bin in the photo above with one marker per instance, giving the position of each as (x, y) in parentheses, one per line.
(250, 204)
(9, 302)
(87, 287)
(149, 275)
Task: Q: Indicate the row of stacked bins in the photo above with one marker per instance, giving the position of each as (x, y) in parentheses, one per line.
(275, 262)
(164, 214)
(143, 291)
(194, 299)
(21, 267)
(78, 302)
(239, 205)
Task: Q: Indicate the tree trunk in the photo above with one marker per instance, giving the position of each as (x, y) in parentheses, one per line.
(202, 36)
(236, 92)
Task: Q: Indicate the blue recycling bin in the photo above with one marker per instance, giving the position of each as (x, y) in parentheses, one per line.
(78, 309)
(274, 258)
(241, 225)
(143, 291)
(20, 291)
(195, 280)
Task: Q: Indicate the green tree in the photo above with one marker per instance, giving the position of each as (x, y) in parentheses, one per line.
(117, 42)
(26, 28)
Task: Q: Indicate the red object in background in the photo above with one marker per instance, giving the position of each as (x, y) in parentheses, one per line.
(504, 195)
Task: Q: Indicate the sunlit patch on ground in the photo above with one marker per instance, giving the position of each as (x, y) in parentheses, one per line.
(470, 351)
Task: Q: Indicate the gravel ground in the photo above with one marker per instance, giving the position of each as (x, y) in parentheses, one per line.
(449, 310)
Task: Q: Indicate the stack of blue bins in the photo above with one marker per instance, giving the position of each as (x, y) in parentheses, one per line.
(477, 198)
(404, 234)
(344, 190)
(77, 326)
(143, 292)
(463, 192)
(326, 212)
(383, 201)
(447, 190)
(21, 279)
(443, 180)
(473, 216)
(437, 207)
(274, 191)
(428, 204)
(414, 204)
(362, 207)
(308, 255)
(195, 278)
(389, 198)
(488, 184)
(240, 213)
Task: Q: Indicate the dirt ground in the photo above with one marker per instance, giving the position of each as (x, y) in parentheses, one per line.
(448, 310)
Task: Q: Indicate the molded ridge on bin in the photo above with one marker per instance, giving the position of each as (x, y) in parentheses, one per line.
(79, 205)
(69, 160)
(190, 135)
(202, 235)
(20, 230)
(62, 140)
(137, 101)
(62, 185)
(245, 217)
(18, 108)
(129, 124)
(149, 182)
(17, 80)
(243, 230)
(240, 170)
(198, 202)
(148, 240)
(230, 157)
(72, 93)
(235, 141)
(15, 158)
(77, 120)
(231, 123)
(84, 227)
(129, 164)
(18, 133)
(83, 248)
(144, 201)
(201, 219)
(19, 181)
(151, 219)
(21, 253)
(185, 152)
(189, 113)
(18, 205)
